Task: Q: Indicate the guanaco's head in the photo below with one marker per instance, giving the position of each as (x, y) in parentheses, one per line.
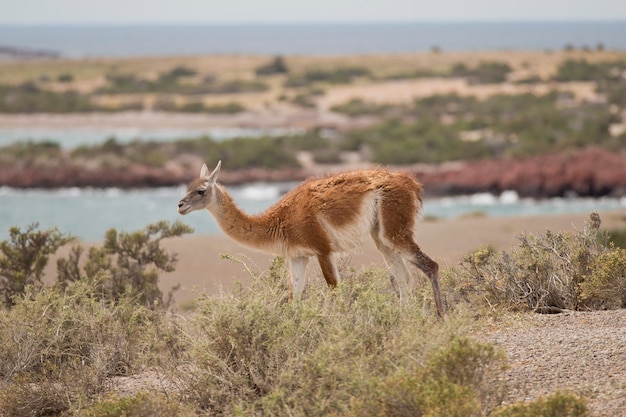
(201, 192)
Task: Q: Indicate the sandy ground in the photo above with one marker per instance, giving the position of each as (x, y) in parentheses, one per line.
(201, 267)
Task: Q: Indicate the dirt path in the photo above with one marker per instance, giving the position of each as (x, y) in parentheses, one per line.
(581, 352)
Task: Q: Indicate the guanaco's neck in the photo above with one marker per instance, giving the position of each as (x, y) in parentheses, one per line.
(257, 231)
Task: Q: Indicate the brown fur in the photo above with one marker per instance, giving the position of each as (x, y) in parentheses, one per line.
(327, 215)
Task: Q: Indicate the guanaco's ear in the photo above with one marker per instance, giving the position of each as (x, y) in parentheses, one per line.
(211, 179)
(204, 171)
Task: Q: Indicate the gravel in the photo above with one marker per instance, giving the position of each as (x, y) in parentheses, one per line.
(580, 352)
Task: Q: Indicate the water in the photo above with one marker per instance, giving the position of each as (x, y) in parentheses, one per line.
(72, 137)
(316, 39)
(88, 213)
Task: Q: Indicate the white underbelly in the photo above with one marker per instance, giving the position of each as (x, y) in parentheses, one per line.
(353, 235)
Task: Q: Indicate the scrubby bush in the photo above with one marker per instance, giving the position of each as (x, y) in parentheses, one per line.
(548, 273)
(343, 75)
(28, 98)
(359, 107)
(170, 83)
(127, 264)
(427, 140)
(455, 381)
(577, 70)
(231, 87)
(605, 285)
(266, 152)
(61, 344)
(257, 354)
(23, 258)
(29, 153)
(559, 404)
(352, 351)
(304, 100)
(509, 125)
(615, 91)
(198, 107)
(582, 70)
(176, 73)
(60, 347)
(139, 405)
(276, 66)
(484, 73)
(65, 78)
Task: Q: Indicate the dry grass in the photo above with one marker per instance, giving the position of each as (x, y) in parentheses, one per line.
(353, 351)
(90, 74)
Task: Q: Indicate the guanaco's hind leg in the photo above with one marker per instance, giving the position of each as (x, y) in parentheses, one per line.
(400, 274)
(431, 269)
(395, 231)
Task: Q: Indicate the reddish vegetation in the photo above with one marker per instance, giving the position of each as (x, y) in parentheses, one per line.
(589, 172)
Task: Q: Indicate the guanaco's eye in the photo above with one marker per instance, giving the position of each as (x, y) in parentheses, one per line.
(201, 192)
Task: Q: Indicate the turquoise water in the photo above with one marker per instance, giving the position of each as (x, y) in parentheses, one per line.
(88, 213)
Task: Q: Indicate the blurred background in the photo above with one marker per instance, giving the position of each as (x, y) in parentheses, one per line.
(499, 108)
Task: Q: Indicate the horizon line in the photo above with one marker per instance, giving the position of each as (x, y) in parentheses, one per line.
(316, 23)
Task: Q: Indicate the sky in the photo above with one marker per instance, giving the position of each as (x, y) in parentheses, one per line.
(25, 12)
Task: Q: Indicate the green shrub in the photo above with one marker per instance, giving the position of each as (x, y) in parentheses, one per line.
(28, 98)
(169, 83)
(65, 78)
(304, 100)
(125, 84)
(226, 108)
(337, 76)
(269, 152)
(359, 107)
(61, 346)
(577, 70)
(484, 73)
(276, 66)
(192, 107)
(23, 258)
(198, 107)
(343, 75)
(176, 73)
(605, 285)
(615, 91)
(456, 381)
(233, 87)
(547, 273)
(510, 125)
(558, 404)
(582, 70)
(127, 264)
(257, 354)
(427, 140)
(29, 153)
(140, 405)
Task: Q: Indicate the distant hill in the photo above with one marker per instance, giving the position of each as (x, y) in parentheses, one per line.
(9, 53)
